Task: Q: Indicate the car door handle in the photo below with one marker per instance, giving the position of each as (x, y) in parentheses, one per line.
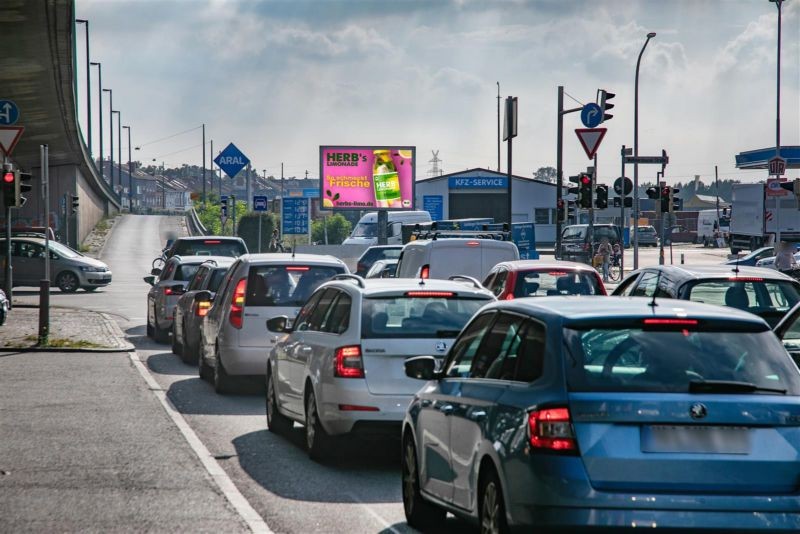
(446, 409)
(305, 349)
(426, 403)
(477, 415)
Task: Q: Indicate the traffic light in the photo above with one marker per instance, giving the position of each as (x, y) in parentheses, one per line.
(653, 193)
(605, 105)
(675, 203)
(601, 200)
(666, 198)
(20, 187)
(561, 210)
(585, 195)
(223, 209)
(74, 203)
(9, 188)
(577, 189)
(572, 211)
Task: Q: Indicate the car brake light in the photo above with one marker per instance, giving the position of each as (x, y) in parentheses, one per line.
(473, 243)
(551, 429)
(510, 296)
(237, 304)
(348, 363)
(212, 242)
(745, 279)
(430, 294)
(357, 408)
(670, 322)
(201, 308)
(557, 273)
(425, 272)
(168, 291)
(297, 268)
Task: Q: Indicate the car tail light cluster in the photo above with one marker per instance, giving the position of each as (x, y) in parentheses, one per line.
(168, 291)
(670, 322)
(348, 362)
(201, 308)
(745, 279)
(551, 429)
(430, 294)
(236, 316)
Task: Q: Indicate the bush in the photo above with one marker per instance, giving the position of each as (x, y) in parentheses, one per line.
(248, 229)
(338, 229)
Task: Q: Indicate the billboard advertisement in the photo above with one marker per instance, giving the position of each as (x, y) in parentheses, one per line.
(367, 178)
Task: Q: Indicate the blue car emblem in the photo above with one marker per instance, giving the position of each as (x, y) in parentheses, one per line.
(441, 346)
(698, 411)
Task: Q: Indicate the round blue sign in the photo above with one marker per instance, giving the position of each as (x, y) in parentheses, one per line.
(9, 113)
(591, 115)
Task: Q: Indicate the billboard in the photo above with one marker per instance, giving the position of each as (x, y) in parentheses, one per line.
(367, 177)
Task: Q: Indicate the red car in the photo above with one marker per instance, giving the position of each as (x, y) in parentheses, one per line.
(537, 278)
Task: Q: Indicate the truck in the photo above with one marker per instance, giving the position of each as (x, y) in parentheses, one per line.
(758, 216)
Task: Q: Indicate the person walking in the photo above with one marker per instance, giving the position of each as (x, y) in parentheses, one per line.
(605, 251)
(784, 259)
(275, 242)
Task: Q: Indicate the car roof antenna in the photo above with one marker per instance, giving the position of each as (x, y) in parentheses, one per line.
(655, 291)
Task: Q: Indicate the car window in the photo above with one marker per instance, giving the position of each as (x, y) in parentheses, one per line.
(418, 316)
(29, 250)
(647, 285)
(574, 232)
(489, 359)
(338, 318)
(600, 232)
(541, 283)
(286, 285)
(317, 317)
(215, 280)
(499, 282)
(301, 322)
(185, 271)
(210, 247)
(197, 280)
(772, 297)
(626, 287)
(519, 346)
(466, 346)
(169, 268)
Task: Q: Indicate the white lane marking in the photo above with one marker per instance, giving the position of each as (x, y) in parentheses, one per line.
(378, 517)
(218, 474)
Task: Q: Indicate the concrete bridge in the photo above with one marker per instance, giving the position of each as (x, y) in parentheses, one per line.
(38, 72)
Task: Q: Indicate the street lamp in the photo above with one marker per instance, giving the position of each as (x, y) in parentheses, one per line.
(130, 172)
(119, 150)
(778, 4)
(88, 86)
(100, 105)
(111, 134)
(636, 154)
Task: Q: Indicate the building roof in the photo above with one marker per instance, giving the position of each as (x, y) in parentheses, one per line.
(484, 172)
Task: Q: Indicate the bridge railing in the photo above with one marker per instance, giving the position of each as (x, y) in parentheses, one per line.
(193, 223)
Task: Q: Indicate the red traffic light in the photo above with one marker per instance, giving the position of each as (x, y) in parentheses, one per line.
(8, 178)
(586, 180)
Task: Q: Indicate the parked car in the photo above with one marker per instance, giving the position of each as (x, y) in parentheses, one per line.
(340, 368)
(766, 293)
(207, 246)
(167, 287)
(577, 412)
(189, 311)
(375, 253)
(256, 288)
(69, 269)
(443, 258)
(535, 278)
(648, 237)
(5, 306)
(769, 262)
(382, 269)
(575, 244)
(750, 259)
(788, 331)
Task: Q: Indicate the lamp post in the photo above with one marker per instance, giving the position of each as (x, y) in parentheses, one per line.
(636, 153)
(100, 107)
(778, 4)
(88, 86)
(111, 135)
(119, 149)
(130, 172)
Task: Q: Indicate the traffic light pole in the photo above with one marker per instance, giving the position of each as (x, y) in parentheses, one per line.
(591, 209)
(44, 284)
(560, 166)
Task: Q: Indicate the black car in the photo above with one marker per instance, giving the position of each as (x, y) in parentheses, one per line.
(373, 254)
(575, 244)
(207, 246)
(763, 292)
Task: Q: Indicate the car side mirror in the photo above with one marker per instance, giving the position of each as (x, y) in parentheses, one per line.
(279, 324)
(203, 296)
(178, 289)
(155, 271)
(421, 367)
(150, 280)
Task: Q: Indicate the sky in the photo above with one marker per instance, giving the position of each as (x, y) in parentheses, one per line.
(281, 78)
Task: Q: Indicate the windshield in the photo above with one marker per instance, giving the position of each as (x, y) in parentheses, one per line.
(554, 282)
(667, 361)
(216, 278)
(417, 317)
(211, 247)
(574, 232)
(646, 230)
(770, 299)
(365, 230)
(62, 250)
(185, 272)
(286, 285)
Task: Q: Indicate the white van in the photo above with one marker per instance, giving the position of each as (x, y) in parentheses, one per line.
(366, 231)
(707, 225)
(443, 258)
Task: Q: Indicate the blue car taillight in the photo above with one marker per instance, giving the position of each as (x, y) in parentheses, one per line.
(551, 429)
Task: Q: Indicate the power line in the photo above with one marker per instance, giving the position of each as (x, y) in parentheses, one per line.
(573, 98)
(170, 136)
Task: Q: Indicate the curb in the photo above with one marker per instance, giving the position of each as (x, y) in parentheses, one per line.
(108, 236)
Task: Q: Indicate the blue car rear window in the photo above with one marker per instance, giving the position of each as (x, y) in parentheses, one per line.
(633, 359)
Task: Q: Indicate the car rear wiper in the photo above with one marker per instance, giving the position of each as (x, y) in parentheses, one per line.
(729, 386)
(447, 333)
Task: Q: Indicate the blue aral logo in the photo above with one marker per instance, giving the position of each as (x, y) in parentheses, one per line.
(231, 160)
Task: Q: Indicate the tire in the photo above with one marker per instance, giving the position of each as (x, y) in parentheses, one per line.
(491, 508)
(420, 514)
(276, 421)
(68, 282)
(177, 348)
(149, 326)
(318, 442)
(188, 356)
(3, 316)
(223, 382)
(160, 335)
(203, 369)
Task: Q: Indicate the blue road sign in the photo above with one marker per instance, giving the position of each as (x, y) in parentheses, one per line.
(259, 202)
(434, 204)
(591, 115)
(9, 113)
(294, 216)
(231, 160)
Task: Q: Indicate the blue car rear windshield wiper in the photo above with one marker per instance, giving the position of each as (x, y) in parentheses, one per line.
(729, 386)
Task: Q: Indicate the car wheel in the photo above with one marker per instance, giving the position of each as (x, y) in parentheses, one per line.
(420, 514)
(203, 369)
(177, 349)
(149, 325)
(3, 316)
(317, 440)
(188, 356)
(492, 510)
(276, 421)
(223, 382)
(160, 335)
(67, 282)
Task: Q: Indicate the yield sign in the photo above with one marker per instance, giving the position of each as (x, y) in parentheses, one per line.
(590, 139)
(9, 136)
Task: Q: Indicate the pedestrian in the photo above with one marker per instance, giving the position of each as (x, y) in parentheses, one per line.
(605, 250)
(274, 241)
(785, 261)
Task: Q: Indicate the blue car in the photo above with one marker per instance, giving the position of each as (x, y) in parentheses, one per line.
(614, 413)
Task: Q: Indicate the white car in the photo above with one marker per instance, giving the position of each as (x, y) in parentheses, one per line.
(340, 369)
(233, 342)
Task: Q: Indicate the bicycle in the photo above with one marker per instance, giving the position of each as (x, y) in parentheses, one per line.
(614, 265)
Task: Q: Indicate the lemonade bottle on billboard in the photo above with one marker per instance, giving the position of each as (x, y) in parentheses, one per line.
(386, 180)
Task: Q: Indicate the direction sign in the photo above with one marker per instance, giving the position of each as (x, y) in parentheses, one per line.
(9, 137)
(777, 166)
(231, 160)
(774, 188)
(590, 139)
(259, 202)
(623, 186)
(294, 215)
(9, 113)
(655, 160)
(591, 115)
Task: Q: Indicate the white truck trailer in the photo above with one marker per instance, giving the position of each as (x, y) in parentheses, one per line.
(759, 218)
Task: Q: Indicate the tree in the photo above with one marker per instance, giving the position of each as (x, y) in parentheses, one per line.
(338, 229)
(248, 230)
(546, 174)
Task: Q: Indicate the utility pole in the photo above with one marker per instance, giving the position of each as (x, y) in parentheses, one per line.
(716, 189)
(511, 128)
(44, 284)
(204, 161)
(498, 127)
(281, 182)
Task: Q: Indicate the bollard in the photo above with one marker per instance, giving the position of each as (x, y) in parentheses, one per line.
(681, 258)
(44, 312)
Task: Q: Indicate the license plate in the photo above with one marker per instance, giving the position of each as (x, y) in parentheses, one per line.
(695, 439)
